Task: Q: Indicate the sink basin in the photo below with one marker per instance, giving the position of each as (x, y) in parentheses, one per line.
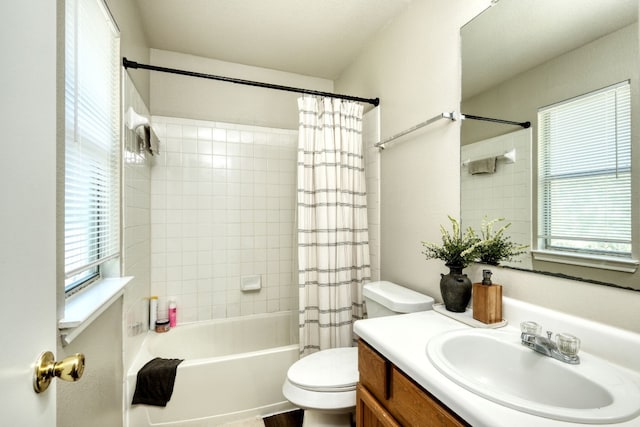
(494, 365)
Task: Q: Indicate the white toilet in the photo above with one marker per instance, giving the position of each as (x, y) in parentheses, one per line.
(324, 383)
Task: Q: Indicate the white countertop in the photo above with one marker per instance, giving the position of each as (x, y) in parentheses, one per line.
(403, 340)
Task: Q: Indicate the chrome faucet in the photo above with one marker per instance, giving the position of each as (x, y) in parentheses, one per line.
(545, 345)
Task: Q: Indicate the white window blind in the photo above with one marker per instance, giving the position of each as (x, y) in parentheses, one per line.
(584, 172)
(92, 135)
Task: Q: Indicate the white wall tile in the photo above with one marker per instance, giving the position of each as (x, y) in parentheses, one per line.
(224, 194)
(137, 200)
(503, 194)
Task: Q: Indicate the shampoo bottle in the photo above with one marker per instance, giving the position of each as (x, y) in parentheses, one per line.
(153, 312)
(172, 313)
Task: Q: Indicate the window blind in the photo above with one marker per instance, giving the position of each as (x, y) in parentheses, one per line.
(584, 173)
(92, 135)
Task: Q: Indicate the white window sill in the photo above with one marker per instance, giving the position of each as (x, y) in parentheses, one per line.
(84, 307)
(626, 265)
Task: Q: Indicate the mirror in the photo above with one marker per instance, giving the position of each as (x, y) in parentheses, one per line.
(519, 56)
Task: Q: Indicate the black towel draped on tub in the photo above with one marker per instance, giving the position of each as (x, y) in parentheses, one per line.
(154, 383)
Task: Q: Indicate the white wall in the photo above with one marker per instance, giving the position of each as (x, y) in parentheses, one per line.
(370, 136)
(413, 65)
(96, 399)
(133, 40)
(195, 98)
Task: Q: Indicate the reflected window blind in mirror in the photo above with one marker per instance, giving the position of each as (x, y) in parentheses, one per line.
(584, 173)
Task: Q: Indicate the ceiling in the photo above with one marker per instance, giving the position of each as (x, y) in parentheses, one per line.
(317, 38)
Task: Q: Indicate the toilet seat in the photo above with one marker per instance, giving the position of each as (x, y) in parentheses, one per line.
(333, 370)
(324, 383)
(327, 401)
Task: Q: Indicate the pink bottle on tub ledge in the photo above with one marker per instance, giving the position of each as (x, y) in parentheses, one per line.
(172, 313)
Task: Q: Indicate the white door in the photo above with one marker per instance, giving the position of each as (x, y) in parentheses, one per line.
(27, 207)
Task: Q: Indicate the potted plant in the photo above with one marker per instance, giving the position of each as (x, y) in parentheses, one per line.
(457, 250)
(497, 246)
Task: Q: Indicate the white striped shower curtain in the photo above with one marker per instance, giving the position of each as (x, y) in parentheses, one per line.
(333, 248)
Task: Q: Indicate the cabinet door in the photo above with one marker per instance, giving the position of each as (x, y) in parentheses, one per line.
(412, 406)
(375, 371)
(369, 413)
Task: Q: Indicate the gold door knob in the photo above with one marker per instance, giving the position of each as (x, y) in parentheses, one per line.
(69, 369)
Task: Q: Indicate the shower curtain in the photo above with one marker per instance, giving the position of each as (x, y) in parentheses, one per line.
(333, 249)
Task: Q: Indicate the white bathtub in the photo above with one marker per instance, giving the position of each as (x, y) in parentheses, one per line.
(233, 369)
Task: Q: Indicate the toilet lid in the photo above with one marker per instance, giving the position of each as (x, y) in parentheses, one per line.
(397, 298)
(335, 369)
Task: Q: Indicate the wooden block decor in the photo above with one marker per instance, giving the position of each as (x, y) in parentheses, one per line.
(487, 303)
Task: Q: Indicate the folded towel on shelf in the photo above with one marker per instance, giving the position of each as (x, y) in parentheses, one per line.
(487, 165)
(155, 380)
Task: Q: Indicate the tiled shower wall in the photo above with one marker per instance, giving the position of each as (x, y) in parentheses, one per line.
(223, 209)
(503, 194)
(136, 259)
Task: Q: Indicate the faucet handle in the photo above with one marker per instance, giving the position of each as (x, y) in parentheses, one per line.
(529, 327)
(568, 344)
(549, 333)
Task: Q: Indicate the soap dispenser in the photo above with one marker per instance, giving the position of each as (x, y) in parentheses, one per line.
(487, 300)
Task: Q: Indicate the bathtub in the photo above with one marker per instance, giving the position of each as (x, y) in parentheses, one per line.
(233, 369)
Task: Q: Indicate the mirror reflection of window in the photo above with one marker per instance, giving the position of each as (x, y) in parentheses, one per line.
(584, 174)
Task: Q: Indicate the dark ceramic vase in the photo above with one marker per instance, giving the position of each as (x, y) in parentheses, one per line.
(455, 288)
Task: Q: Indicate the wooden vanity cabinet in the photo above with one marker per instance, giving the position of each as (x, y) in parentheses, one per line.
(386, 397)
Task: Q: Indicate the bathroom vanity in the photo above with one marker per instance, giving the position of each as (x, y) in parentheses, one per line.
(387, 397)
(400, 384)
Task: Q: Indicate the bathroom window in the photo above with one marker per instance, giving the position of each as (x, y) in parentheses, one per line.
(92, 135)
(584, 174)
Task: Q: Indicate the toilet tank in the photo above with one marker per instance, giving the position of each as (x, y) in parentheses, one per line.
(386, 299)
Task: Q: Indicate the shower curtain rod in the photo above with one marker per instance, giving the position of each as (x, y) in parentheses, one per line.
(524, 125)
(135, 65)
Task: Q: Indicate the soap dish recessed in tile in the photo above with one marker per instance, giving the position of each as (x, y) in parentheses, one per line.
(251, 283)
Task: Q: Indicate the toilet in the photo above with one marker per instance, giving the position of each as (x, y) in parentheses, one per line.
(324, 383)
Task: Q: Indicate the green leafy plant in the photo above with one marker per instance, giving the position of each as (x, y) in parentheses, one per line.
(496, 246)
(457, 248)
